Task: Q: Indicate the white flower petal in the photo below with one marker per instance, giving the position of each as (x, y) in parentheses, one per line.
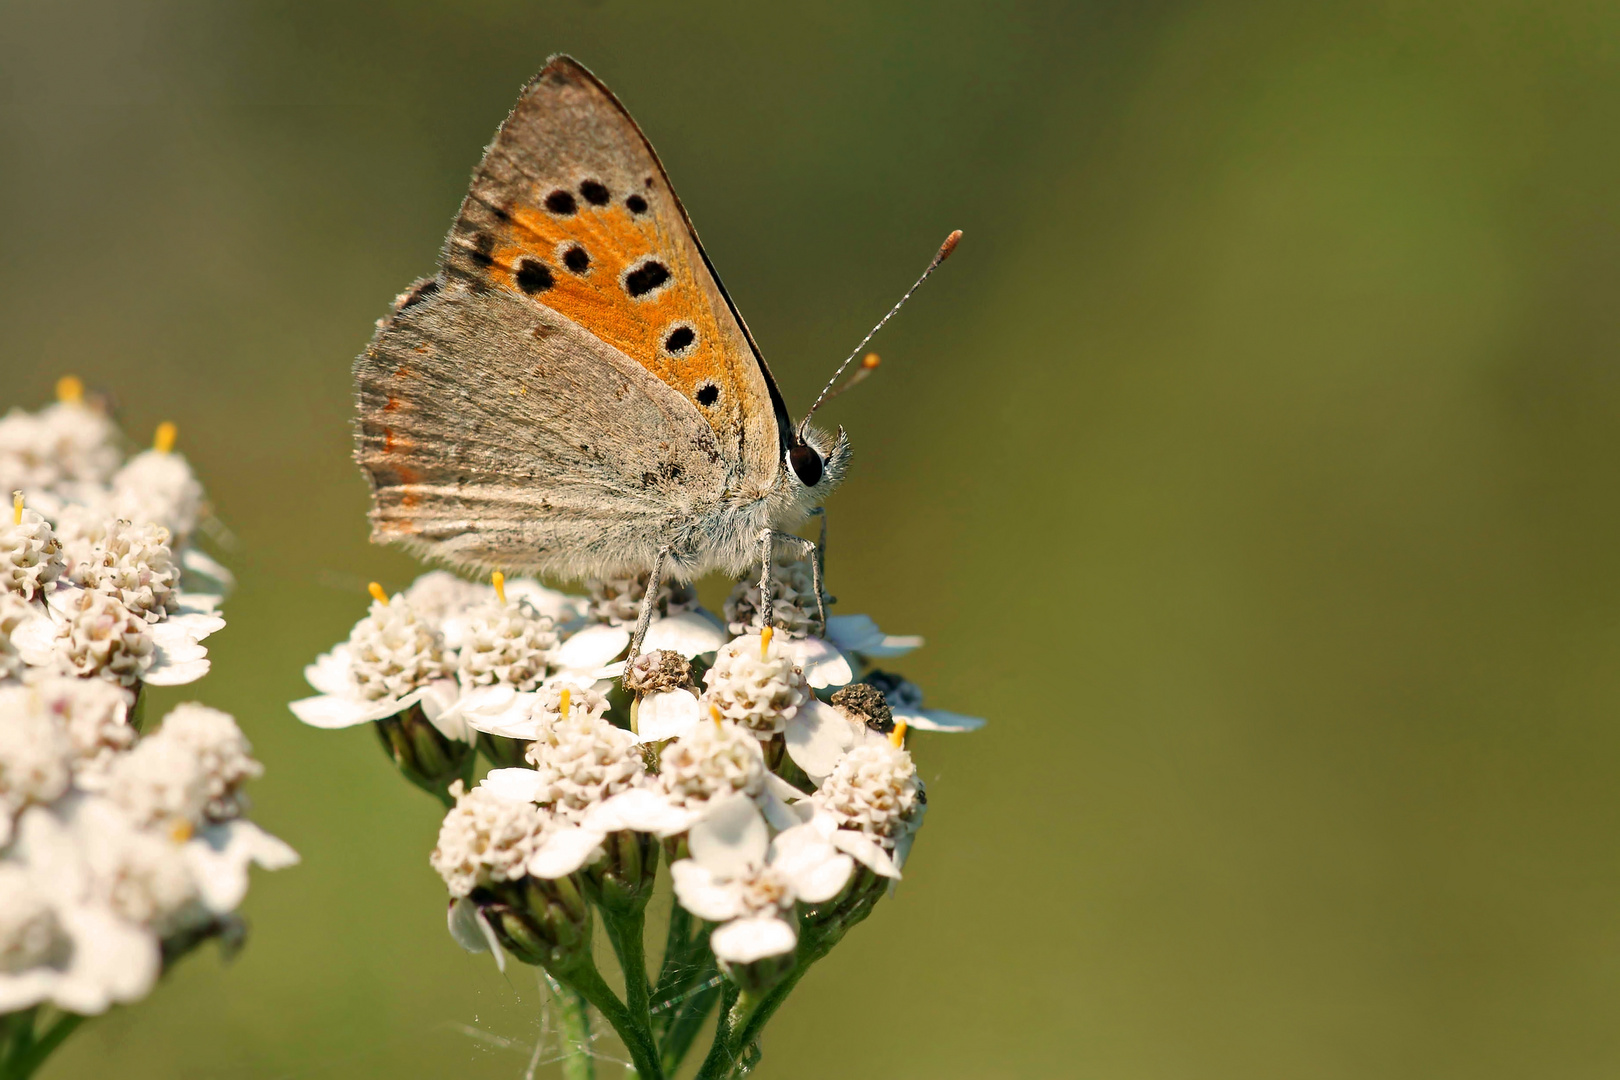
(640, 809)
(194, 626)
(197, 562)
(823, 665)
(743, 941)
(687, 633)
(859, 634)
(331, 711)
(35, 639)
(438, 699)
(938, 720)
(866, 851)
(165, 672)
(701, 894)
(592, 647)
(112, 961)
(817, 869)
(666, 715)
(565, 850)
(817, 736)
(782, 789)
(331, 673)
(465, 928)
(731, 838)
(219, 856)
(518, 785)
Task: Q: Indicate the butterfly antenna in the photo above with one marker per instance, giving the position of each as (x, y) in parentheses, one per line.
(827, 392)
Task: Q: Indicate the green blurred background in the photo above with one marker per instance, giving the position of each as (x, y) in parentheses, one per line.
(1252, 466)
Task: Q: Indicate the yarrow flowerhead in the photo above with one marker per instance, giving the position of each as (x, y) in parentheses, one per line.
(874, 789)
(394, 650)
(780, 813)
(755, 683)
(507, 643)
(712, 761)
(102, 638)
(118, 854)
(582, 759)
(30, 555)
(793, 601)
(134, 565)
(486, 838)
(617, 601)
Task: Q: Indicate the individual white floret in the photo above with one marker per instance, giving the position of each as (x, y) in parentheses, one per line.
(394, 659)
(36, 758)
(503, 643)
(134, 565)
(581, 759)
(67, 952)
(30, 555)
(99, 637)
(157, 487)
(161, 782)
(617, 600)
(81, 439)
(487, 837)
(439, 594)
(748, 883)
(754, 682)
(95, 716)
(223, 754)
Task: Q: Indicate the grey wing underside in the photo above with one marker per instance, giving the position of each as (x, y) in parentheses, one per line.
(496, 434)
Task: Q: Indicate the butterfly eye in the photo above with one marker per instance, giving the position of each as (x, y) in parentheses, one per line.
(806, 465)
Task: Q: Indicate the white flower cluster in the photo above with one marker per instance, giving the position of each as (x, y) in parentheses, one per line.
(97, 572)
(778, 782)
(117, 852)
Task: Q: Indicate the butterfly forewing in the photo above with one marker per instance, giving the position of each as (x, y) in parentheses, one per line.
(571, 209)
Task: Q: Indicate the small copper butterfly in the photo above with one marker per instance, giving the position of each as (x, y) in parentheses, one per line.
(574, 392)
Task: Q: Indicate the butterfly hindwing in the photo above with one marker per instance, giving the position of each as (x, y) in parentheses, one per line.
(571, 210)
(498, 434)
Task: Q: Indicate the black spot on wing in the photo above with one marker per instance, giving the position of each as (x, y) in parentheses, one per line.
(644, 277)
(679, 340)
(637, 204)
(483, 246)
(577, 259)
(595, 192)
(561, 203)
(708, 394)
(533, 276)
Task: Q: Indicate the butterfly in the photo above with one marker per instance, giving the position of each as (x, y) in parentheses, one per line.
(574, 393)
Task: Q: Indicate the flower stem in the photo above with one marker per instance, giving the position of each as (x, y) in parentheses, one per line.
(626, 930)
(28, 1054)
(717, 1064)
(583, 977)
(577, 1063)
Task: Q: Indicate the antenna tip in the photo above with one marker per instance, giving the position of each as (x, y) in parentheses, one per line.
(870, 361)
(947, 247)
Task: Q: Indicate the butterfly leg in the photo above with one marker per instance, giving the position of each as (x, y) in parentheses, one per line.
(768, 539)
(649, 603)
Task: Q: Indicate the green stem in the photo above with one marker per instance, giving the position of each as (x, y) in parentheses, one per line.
(577, 1064)
(717, 1065)
(32, 1055)
(625, 931)
(584, 978)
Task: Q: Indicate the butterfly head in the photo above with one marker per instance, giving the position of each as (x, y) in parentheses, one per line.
(815, 464)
